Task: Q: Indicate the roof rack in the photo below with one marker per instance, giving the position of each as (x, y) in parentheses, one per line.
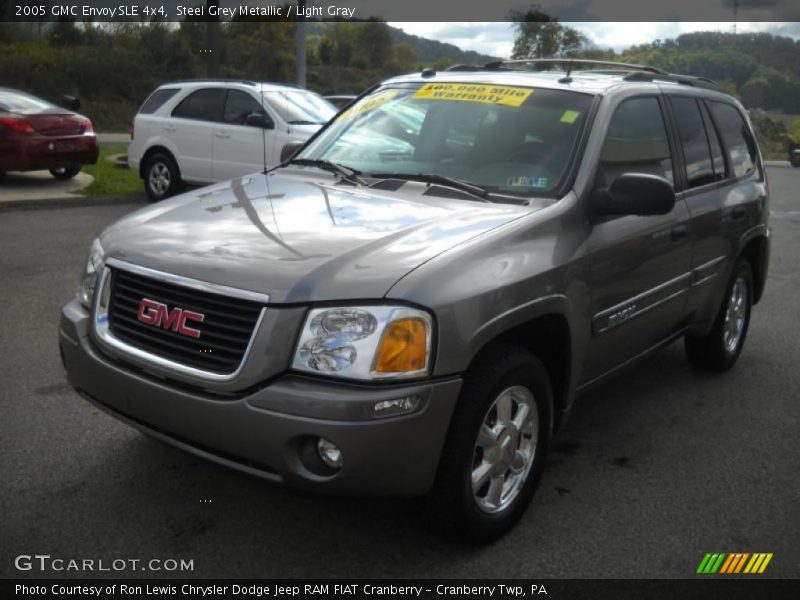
(629, 71)
(501, 64)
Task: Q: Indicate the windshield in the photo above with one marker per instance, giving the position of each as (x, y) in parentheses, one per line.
(22, 103)
(512, 140)
(300, 108)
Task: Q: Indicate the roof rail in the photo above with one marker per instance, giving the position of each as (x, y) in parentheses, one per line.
(699, 82)
(461, 67)
(501, 64)
(213, 80)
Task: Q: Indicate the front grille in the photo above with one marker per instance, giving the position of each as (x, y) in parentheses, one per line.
(225, 331)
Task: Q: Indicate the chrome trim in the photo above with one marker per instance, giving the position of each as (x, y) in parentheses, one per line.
(107, 339)
(203, 286)
(633, 303)
(697, 273)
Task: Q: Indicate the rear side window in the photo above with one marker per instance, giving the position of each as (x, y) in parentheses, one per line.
(636, 142)
(202, 105)
(239, 105)
(736, 136)
(694, 141)
(157, 99)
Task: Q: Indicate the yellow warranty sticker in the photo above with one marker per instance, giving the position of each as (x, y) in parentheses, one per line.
(369, 104)
(570, 116)
(468, 92)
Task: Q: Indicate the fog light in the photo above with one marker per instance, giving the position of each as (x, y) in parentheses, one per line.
(330, 453)
(396, 406)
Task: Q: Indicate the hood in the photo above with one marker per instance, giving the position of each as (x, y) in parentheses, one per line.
(300, 238)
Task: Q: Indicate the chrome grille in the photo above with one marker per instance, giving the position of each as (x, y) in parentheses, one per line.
(225, 332)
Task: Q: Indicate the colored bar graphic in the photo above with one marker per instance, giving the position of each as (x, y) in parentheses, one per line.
(764, 564)
(734, 563)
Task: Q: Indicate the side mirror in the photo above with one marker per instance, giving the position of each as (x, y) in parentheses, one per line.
(71, 103)
(259, 120)
(290, 149)
(635, 194)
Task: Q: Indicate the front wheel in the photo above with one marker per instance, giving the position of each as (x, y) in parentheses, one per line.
(720, 348)
(65, 172)
(495, 449)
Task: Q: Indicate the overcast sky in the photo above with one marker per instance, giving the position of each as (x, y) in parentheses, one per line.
(497, 39)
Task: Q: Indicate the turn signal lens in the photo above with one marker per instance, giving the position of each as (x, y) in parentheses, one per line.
(404, 347)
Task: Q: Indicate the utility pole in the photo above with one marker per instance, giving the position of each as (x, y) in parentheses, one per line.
(300, 36)
(212, 41)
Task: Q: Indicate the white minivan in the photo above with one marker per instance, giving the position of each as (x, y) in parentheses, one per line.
(200, 132)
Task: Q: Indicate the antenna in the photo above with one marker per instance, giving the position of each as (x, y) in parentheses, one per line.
(263, 129)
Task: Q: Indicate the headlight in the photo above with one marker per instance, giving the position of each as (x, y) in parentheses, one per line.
(94, 264)
(365, 342)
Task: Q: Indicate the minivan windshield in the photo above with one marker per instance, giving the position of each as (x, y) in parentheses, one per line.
(300, 107)
(505, 139)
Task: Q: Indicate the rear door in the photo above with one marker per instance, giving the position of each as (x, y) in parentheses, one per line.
(725, 191)
(240, 148)
(639, 265)
(191, 129)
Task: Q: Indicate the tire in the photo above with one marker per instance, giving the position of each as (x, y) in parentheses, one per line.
(65, 172)
(478, 517)
(721, 347)
(162, 178)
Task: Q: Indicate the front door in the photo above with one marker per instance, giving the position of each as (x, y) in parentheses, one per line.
(239, 148)
(639, 266)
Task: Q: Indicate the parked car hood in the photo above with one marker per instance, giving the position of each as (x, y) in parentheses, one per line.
(299, 236)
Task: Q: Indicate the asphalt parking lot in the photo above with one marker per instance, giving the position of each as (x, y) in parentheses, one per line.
(654, 469)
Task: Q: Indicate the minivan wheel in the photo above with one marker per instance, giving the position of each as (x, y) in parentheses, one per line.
(65, 172)
(719, 349)
(495, 449)
(161, 176)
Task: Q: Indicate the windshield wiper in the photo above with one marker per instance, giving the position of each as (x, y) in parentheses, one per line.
(304, 122)
(346, 173)
(472, 189)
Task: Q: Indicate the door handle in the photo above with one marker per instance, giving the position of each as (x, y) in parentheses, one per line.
(223, 134)
(170, 128)
(678, 233)
(738, 213)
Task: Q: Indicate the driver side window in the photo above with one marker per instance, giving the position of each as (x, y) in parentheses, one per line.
(239, 105)
(636, 142)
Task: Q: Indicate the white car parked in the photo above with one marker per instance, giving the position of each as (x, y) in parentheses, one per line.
(200, 132)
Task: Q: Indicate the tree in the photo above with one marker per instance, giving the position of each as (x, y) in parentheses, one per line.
(540, 36)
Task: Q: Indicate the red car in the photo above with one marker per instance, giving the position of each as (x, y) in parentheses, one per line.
(35, 134)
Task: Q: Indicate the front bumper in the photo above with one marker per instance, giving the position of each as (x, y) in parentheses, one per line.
(271, 431)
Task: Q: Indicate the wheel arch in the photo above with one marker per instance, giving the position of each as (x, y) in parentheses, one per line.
(544, 329)
(756, 251)
(154, 150)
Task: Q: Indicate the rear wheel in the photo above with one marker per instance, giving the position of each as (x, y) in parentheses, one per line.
(65, 172)
(162, 178)
(495, 448)
(720, 348)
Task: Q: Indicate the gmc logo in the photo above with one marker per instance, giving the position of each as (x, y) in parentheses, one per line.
(155, 313)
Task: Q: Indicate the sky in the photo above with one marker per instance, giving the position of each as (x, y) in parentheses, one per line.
(497, 39)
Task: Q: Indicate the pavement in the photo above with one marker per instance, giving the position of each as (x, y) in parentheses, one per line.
(653, 470)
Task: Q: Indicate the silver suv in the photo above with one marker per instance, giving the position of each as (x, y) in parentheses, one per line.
(410, 305)
(204, 131)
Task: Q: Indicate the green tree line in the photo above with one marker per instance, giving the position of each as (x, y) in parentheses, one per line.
(113, 67)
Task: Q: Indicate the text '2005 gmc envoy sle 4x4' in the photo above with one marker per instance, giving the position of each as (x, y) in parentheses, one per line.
(409, 305)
